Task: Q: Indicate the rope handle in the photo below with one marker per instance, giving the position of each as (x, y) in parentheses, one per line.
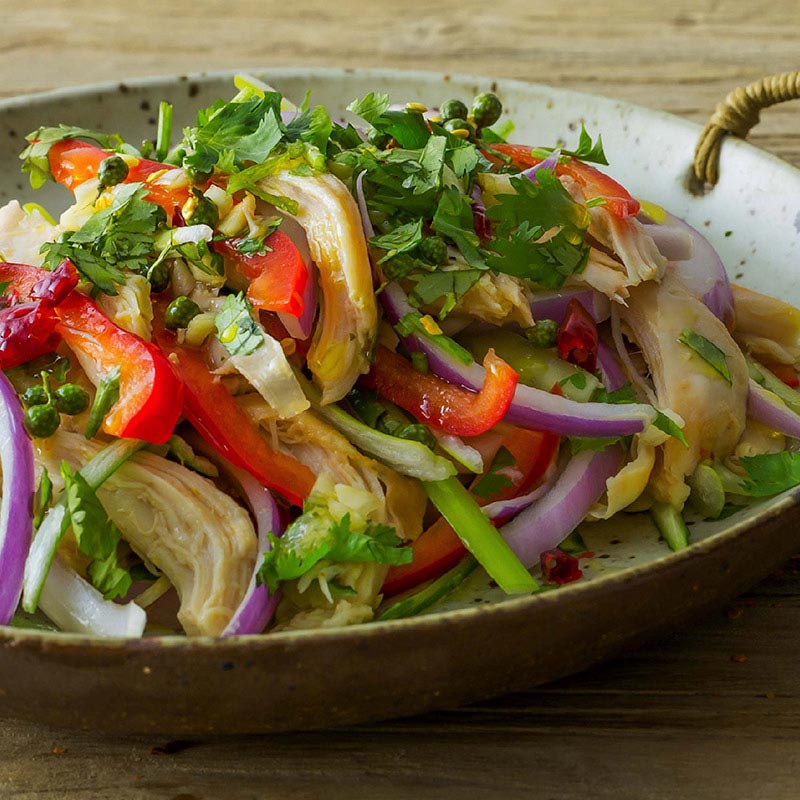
(737, 114)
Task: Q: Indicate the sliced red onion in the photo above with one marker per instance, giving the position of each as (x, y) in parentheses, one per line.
(704, 273)
(675, 243)
(551, 162)
(16, 506)
(75, 605)
(553, 305)
(551, 519)
(257, 607)
(610, 369)
(766, 407)
(505, 509)
(366, 223)
(531, 408)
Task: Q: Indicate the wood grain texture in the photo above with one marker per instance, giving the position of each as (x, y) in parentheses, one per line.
(712, 711)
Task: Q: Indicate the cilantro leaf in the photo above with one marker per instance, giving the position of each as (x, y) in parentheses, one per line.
(240, 131)
(399, 240)
(42, 498)
(708, 351)
(95, 533)
(453, 219)
(771, 473)
(255, 245)
(314, 127)
(314, 536)
(237, 330)
(625, 394)
(587, 150)
(520, 222)
(105, 398)
(578, 444)
(448, 287)
(371, 107)
(496, 477)
(669, 426)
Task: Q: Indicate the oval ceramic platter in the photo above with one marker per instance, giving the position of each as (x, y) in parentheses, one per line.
(477, 644)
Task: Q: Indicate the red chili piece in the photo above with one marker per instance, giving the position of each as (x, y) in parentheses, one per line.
(559, 567)
(577, 337)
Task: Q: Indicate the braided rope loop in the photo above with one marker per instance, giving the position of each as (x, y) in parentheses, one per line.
(737, 114)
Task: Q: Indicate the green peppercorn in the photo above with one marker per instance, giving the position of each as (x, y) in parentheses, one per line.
(180, 312)
(433, 249)
(543, 333)
(71, 399)
(195, 175)
(159, 277)
(453, 109)
(459, 124)
(34, 396)
(112, 170)
(486, 109)
(200, 210)
(399, 266)
(379, 139)
(42, 421)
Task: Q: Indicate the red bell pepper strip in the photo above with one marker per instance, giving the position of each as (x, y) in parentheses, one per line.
(73, 162)
(445, 406)
(439, 548)
(28, 329)
(277, 278)
(577, 338)
(217, 417)
(150, 393)
(597, 184)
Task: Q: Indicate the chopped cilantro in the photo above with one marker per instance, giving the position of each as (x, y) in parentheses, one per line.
(625, 394)
(399, 240)
(448, 287)
(105, 398)
(770, 473)
(521, 221)
(237, 330)
(96, 535)
(314, 536)
(496, 477)
(670, 427)
(120, 237)
(707, 350)
(453, 219)
(255, 245)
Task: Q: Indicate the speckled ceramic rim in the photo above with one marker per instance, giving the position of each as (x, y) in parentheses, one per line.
(500, 611)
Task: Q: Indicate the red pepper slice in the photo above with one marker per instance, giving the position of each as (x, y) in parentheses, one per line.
(151, 395)
(597, 184)
(213, 411)
(439, 548)
(277, 278)
(73, 162)
(577, 339)
(446, 406)
(559, 567)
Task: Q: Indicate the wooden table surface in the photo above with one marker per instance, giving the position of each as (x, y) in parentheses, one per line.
(712, 711)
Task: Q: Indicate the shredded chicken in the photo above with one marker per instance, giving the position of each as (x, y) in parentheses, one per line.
(346, 333)
(22, 234)
(497, 299)
(177, 520)
(766, 327)
(713, 409)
